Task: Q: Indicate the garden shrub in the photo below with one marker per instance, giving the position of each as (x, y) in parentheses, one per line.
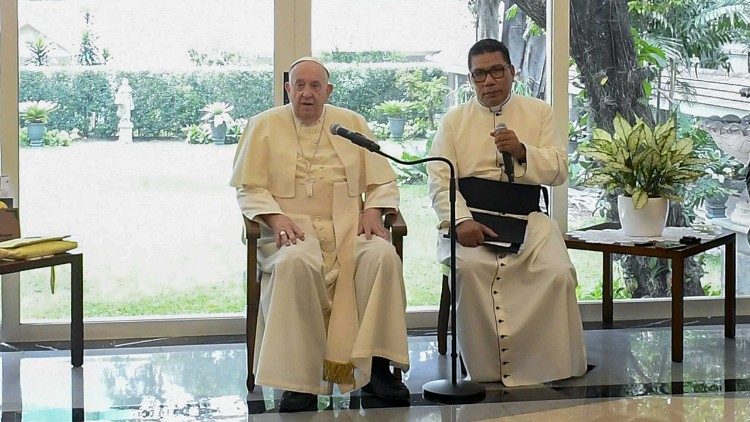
(167, 102)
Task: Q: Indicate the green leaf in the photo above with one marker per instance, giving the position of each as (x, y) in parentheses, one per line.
(622, 127)
(640, 198)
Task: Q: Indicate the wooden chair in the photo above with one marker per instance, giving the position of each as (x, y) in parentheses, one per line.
(444, 312)
(394, 222)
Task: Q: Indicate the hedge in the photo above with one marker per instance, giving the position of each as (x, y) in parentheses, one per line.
(167, 101)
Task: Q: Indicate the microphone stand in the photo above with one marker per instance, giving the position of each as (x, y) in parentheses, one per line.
(454, 390)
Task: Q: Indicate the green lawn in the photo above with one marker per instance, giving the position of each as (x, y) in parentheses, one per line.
(160, 231)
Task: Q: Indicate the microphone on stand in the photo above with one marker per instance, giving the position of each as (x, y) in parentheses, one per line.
(453, 390)
(355, 137)
(506, 158)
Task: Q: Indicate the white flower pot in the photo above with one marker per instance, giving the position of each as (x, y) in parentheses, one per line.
(647, 221)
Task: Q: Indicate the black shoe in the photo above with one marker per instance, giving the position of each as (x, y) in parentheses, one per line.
(292, 401)
(384, 385)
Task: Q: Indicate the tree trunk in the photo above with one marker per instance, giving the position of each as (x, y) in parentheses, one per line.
(604, 52)
(488, 18)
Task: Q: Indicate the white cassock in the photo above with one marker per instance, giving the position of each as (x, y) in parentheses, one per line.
(333, 301)
(518, 318)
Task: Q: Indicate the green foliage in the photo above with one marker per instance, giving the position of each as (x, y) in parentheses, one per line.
(61, 138)
(393, 108)
(641, 162)
(167, 102)
(36, 111)
(164, 102)
(425, 91)
(532, 29)
(217, 113)
(380, 130)
(51, 138)
(234, 131)
(687, 28)
(337, 56)
(197, 134)
(360, 87)
(217, 58)
(39, 49)
(463, 93)
(89, 53)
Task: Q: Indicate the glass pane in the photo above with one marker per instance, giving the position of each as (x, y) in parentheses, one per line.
(155, 218)
(392, 50)
(697, 83)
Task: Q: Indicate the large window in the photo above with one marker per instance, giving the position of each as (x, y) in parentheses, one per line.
(158, 224)
(146, 197)
(401, 64)
(683, 69)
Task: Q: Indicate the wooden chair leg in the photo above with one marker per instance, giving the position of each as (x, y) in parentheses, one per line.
(443, 316)
(251, 321)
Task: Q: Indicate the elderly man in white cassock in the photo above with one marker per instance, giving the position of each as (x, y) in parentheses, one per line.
(518, 319)
(332, 292)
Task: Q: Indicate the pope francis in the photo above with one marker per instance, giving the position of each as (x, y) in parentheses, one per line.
(332, 293)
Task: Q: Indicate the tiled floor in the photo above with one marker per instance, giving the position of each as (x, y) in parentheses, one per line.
(633, 379)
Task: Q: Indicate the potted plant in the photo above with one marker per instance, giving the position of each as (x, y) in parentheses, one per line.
(645, 166)
(217, 116)
(395, 111)
(36, 114)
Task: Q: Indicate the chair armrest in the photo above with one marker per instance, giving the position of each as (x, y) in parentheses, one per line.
(252, 229)
(396, 223)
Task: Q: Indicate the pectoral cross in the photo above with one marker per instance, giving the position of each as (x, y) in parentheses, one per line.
(309, 185)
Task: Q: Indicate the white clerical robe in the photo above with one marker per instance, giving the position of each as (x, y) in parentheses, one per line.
(300, 282)
(518, 318)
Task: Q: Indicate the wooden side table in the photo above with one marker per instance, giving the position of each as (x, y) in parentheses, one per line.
(76, 293)
(677, 257)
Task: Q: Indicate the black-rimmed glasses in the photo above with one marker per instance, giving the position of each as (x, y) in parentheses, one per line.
(480, 75)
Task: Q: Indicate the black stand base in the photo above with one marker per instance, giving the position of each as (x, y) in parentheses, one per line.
(444, 391)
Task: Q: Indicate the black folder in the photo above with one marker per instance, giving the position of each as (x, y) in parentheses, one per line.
(491, 200)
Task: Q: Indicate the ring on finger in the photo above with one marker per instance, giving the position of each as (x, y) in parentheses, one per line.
(282, 233)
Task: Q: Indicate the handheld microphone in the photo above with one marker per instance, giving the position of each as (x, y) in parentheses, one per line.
(355, 137)
(507, 159)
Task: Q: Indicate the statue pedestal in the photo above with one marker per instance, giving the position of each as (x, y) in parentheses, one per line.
(125, 133)
(743, 252)
(741, 213)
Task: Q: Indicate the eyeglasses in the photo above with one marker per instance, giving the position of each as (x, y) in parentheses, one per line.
(497, 72)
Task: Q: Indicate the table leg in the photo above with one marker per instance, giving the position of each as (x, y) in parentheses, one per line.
(730, 287)
(76, 311)
(678, 273)
(607, 291)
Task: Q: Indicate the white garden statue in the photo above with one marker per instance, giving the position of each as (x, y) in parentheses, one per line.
(125, 105)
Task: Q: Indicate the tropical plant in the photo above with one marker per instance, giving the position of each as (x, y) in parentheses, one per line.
(61, 138)
(393, 108)
(217, 113)
(640, 161)
(687, 28)
(36, 111)
(197, 134)
(234, 131)
(89, 53)
(53, 137)
(39, 49)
